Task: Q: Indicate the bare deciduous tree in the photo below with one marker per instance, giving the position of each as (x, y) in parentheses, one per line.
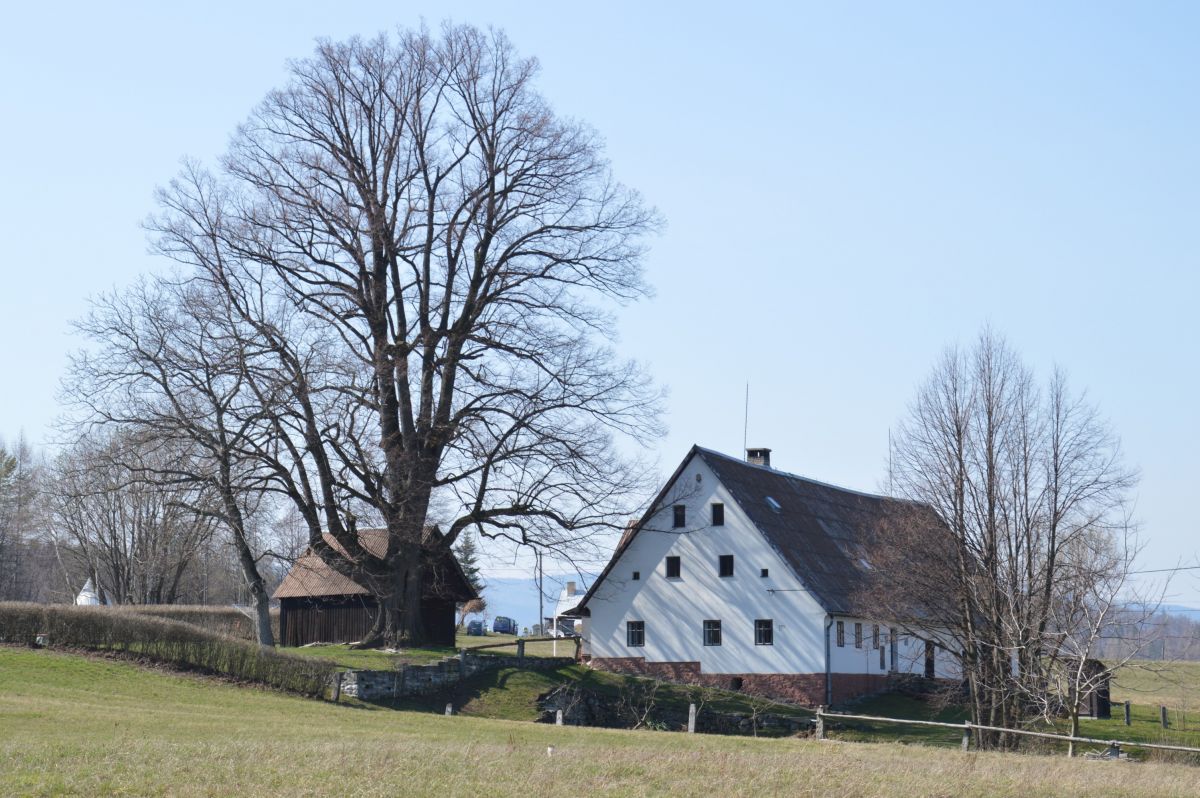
(425, 256)
(1030, 487)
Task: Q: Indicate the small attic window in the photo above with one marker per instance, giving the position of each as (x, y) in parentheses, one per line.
(774, 505)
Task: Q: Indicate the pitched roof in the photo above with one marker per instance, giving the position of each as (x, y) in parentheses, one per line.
(312, 577)
(821, 531)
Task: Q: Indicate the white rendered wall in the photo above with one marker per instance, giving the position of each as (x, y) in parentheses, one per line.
(674, 609)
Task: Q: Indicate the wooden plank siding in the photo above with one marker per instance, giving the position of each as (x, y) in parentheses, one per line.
(346, 619)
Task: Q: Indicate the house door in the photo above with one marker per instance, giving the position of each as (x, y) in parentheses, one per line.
(929, 659)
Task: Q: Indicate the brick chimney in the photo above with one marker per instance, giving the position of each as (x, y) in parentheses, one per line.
(760, 457)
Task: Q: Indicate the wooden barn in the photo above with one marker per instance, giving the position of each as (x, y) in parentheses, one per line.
(319, 605)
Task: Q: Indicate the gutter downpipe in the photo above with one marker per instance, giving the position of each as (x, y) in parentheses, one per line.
(828, 672)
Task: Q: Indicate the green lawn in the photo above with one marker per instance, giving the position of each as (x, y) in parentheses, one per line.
(384, 660)
(80, 726)
(1144, 728)
(1172, 684)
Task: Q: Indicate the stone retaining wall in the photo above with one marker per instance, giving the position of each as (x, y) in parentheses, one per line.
(408, 680)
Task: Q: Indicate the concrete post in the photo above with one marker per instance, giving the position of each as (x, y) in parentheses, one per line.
(966, 740)
(449, 710)
(691, 718)
(521, 653)
(821, 722)
(1162, 716)
(558, 718)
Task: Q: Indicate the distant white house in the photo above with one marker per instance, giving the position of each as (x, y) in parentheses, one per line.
(562, 622)
(745, 577)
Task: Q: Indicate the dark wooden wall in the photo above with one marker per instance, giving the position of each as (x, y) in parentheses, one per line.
(345, 619)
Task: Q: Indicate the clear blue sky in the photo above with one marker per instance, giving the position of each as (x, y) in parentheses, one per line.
(849, 188)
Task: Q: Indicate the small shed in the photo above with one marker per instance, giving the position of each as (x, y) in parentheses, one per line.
(1097, 702)
(320, 605)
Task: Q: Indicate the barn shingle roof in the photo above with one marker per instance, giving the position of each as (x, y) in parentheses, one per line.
(312, 577)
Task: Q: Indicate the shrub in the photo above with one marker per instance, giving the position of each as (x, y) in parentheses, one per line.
(140, 635)
(225, 621)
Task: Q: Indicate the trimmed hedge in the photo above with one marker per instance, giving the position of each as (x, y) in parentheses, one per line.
(160, 640)
(225, 621)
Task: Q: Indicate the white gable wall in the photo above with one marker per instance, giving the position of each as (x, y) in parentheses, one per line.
(674, 609)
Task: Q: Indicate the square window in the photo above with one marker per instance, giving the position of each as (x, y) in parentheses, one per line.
(764, 632)
(841, 634)
(672, 568)
(635, 633)
(718, 514)
(858, 635)
(765, 573)
(637, 575)
(712, 633)
(725, 565)
(680, 516)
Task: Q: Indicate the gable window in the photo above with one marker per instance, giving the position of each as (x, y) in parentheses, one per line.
(672, 568)
(841, 633)
(725, 565)
(712, 633)
(637, 575)
(765, 573)
(635, 633)
(858, 635)
(764, 632)
(875, 635)
(718, 514)
(680, 516)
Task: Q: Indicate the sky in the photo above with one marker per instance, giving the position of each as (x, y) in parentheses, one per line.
(848, 189)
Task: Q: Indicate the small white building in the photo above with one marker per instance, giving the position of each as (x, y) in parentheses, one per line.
(89, 596)
(741, 576)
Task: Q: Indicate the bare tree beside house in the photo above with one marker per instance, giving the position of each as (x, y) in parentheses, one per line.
(414, 200)
(1021, 478)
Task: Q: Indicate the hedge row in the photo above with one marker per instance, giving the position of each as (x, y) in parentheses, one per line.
(225, 621)
(161, 640)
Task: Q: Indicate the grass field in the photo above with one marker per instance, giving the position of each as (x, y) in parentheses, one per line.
(1172, 684)
(76, 726)
(384, 660)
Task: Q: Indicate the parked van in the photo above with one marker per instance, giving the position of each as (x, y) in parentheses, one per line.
(504, 626)
(475, 628)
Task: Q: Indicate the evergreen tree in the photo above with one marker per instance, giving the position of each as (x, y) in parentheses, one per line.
(468, 558)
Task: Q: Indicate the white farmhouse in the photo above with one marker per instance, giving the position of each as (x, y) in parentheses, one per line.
(741, 576)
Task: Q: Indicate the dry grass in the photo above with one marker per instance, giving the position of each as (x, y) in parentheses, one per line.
(1172, 684)
(74, 726)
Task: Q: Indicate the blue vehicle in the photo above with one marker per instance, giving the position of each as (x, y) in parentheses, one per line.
(475, 628)
(504, 626)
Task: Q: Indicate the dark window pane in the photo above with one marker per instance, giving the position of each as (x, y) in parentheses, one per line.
(635, 633)
(672, 567)
(712, 633)
(680, 516)
(765, 573)
(841, 634)
(858, 635)
(764, 632)
(718, 515)
(875, 636)
(726, 565)
(637, 575)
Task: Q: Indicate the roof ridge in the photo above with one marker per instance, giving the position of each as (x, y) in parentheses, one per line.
(802, 478)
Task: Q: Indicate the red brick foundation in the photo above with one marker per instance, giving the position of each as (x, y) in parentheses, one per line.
(807, 689)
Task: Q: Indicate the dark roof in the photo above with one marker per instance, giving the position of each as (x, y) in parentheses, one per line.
(823, 532)
(311, 577)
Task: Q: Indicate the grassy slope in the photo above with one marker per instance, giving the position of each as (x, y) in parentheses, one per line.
(108, 728)
(1173, 684)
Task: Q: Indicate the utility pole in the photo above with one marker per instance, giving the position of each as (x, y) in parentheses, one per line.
(541, 612)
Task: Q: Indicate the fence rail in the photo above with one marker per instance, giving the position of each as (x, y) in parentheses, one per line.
(966, 727)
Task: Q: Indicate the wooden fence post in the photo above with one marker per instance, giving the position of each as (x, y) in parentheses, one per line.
(521, 653)
(1128, 715)
(558, 718)
(337, 685)
(966, 740)
(578, 649)
(821, 722)
(1162, 716)
(691, 718)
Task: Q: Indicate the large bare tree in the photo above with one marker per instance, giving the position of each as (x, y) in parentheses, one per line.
(1031, 492)
(426, 259)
